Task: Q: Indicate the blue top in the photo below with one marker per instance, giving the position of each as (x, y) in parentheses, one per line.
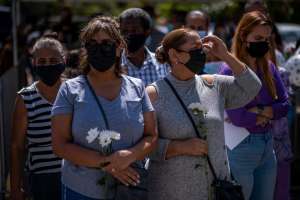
(149, 72)
(124, 114)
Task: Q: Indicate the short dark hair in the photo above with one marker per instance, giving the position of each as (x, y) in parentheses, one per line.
(198, 12)
(137, 13)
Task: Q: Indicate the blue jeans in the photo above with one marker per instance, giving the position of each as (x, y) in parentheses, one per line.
(253, 165)
(68, 194)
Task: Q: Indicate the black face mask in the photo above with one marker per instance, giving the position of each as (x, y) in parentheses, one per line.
(101, 56)
(135, 42)
(258, 49)
(197, 61)
(49, 74)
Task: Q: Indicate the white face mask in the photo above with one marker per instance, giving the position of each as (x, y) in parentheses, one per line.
(202, 34)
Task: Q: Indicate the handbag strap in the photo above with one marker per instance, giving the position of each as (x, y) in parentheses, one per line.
(192, 121)
(98, 103)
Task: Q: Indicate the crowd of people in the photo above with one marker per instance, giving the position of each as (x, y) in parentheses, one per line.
(114, 120)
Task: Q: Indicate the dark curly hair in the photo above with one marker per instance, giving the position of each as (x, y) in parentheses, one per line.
(107, 25)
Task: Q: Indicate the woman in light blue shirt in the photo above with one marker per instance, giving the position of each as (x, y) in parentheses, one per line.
(101, 99)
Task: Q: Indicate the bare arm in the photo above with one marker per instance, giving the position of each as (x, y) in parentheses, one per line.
(64, 147)
(122, 159)
(148, 143)
(19, 127)
(193, 146)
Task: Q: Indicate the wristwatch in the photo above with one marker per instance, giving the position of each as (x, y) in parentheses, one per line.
(260, 109)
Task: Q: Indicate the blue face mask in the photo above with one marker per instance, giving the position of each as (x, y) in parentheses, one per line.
(202, 34)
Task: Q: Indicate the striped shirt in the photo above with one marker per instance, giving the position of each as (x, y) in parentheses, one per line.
(40, 158)
(149, 72)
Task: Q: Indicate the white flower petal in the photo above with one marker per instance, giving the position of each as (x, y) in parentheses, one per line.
(106, 137)
(92, 135)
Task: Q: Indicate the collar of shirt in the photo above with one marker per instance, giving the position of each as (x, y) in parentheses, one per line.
(149, 61)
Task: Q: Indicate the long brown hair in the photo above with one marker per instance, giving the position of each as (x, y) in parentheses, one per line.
(110, 27)
(245, 26)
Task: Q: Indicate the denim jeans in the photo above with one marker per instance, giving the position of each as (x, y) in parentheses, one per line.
(68, 194)
(253, 165)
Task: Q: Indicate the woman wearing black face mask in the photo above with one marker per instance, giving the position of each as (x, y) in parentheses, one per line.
(32, 125)
(178, 169)
(103, 122)
(253, 162)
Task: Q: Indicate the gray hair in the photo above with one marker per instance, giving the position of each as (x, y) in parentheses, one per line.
(48, 43)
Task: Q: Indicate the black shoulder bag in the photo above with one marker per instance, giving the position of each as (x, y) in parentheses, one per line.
(123, 192)
(223, 189)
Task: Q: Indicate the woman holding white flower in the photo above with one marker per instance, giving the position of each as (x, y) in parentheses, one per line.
(178, 169)
(103, 121)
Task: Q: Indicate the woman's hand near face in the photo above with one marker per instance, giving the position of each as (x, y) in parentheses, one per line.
(215, 46)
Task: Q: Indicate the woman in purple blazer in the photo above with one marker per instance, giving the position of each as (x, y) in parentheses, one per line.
(253, 162)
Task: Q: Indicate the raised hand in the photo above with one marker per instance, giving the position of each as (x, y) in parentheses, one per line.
(215, 46)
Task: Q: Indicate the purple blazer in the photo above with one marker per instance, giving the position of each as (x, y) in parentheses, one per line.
(241, 117)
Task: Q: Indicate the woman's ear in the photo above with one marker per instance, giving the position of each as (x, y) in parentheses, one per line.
(172, 55)
(242, 36)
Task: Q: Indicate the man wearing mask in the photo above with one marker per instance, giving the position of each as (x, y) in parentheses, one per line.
(137, 60)
(199, 21)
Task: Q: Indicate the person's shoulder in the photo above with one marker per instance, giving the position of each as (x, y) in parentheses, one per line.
(274, 69)
(294, 60)
(153, 58)
(75, 84)
(76, 81)
(208, 79)
(28, 90)
(134, 84)
(133, 80)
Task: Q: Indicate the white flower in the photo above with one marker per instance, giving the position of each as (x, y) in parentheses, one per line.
(92, 135)
(197, 107)
(106, 137)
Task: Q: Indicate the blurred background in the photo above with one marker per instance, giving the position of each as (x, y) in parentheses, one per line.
(22, 22)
